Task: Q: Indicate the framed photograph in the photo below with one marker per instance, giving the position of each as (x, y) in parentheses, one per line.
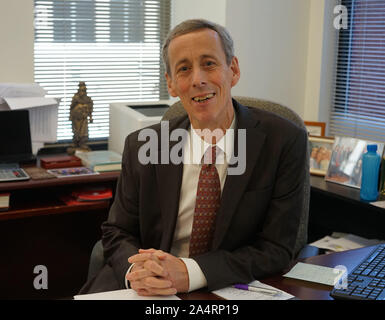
(320, 154)
(346, 162)
(315, 128)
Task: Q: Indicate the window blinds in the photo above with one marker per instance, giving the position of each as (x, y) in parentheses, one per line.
(359, 99)
(112, 45)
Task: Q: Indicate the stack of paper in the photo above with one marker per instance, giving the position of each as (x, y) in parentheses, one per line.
(43, 111)
(316, 273)
(341, 242)
(124, 294)
(231, 293)
(101, 160)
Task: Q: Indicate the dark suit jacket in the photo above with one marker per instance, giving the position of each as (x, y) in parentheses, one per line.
(257, 224)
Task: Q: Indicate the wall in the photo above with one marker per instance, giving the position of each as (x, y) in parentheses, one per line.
(16, 41)
(271, 38)
(321, 61)
(214, 10)
(286, 48)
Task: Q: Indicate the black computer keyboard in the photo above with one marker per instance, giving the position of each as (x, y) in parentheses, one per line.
(367, 280)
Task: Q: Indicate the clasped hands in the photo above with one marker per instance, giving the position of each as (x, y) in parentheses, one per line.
(156, 272)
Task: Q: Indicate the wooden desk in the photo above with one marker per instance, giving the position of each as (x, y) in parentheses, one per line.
(303, 290)
(312, 291)
(40, 229)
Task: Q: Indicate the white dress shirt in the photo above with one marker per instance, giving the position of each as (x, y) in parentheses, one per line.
(194, 149)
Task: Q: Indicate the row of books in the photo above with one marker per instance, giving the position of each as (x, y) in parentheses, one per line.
(96, 161)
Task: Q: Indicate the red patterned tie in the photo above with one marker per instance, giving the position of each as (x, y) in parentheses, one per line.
(206, 206)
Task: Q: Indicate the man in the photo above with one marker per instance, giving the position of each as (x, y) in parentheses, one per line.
(150, 238)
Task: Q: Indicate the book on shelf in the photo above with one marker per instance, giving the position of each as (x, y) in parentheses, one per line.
(86, 196)
(71, 172)
(69, 200)
(92, 194)
(4, 201)
(101, 160)
(62, 161)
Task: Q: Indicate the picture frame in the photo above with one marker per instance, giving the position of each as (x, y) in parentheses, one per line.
(345, 165)
(315, 128)
(321, 149)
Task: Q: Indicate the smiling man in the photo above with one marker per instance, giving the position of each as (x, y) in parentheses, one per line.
(181, 227)
(200, 75)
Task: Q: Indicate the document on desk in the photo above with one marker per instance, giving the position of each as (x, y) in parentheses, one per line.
(124, 294)
(231, 293)
(344, 242)
(315, 273)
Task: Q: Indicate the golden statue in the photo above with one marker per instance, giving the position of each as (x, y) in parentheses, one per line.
(80, 113)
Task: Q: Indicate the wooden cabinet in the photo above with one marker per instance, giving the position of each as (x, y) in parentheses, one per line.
(41, 229)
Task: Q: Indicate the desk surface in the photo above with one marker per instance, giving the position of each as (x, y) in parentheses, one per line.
(303, 290)
(33, 184)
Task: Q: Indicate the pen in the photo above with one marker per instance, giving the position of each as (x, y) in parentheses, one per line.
(255, 289)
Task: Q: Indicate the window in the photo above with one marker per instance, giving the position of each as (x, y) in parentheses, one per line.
(112, 45)
(359, 98)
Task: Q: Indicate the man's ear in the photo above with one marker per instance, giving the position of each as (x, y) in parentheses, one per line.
(170, 86)
(236, 71)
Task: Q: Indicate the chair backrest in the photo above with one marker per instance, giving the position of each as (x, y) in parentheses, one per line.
(177, 109)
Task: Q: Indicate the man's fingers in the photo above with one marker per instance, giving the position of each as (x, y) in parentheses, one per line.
(158, 253)
(151, 250)
(153, 282)
(148, 254)
(149, 261)
(140, 257)
(157, 292)
(154, 267)
(139, 274)
(153, 286)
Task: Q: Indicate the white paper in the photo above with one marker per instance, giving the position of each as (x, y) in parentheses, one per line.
(124, 294)
(380, 204)
(43, 112)
(43, 115)
(231, 293)
(346, 242)
(315, 273)
(29, 102)
(18, 90)
(43, 122)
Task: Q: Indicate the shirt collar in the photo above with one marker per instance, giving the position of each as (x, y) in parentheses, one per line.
(196, 147)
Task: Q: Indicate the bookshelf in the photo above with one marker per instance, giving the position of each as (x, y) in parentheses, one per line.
(42, 197)
(41, 229)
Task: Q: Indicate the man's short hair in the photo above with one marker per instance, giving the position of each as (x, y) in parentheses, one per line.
(192, 25)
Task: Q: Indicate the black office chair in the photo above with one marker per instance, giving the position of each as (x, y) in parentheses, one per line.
(301, 248)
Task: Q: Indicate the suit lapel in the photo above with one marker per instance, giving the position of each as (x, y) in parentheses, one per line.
(235, 185)
(169, 180)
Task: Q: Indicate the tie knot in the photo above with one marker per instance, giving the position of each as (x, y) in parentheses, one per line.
(210, 155)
